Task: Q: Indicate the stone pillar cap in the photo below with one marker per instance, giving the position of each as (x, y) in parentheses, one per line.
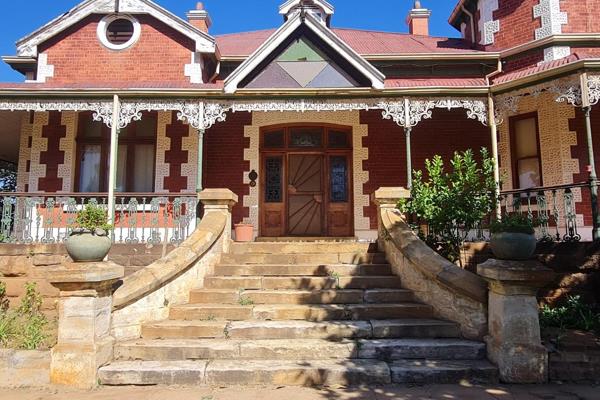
(390, 195)
(524, 273)
(94, 272)
(217, 196)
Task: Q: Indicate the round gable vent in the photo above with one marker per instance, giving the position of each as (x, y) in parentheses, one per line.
(118, 32)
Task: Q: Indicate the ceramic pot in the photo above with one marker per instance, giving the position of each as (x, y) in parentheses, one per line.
(513, 246)
(87, 246)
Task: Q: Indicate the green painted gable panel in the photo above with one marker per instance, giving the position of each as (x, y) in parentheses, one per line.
(302, 50)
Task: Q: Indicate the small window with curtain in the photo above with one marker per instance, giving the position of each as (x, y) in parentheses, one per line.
(525, 149)
(135, 156)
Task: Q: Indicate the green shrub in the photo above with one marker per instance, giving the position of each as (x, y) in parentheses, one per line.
(574, 314)
(452, 203)
(513, 223)
(25, 327)
(92, 217)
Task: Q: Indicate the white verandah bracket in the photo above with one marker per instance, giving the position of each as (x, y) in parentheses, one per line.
(420, 109)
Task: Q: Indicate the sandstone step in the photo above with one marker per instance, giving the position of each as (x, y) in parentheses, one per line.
(282, 258)
(414, 328)
(331, 330)
(300, 329)
(298, 373)
(431, 349)
(302, 282)
(355, 312)
(210, 312)
(220, 349)
(341, 296)
(443, 372)
(173, 329)
(295, 247)
(298, 349)
(331, 270)
(153, 373)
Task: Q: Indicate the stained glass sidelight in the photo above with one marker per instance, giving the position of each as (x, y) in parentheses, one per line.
(339, 179)
(273, 192)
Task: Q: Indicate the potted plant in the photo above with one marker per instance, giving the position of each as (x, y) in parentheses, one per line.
(90, 240)
(513, 237)
(244, 232)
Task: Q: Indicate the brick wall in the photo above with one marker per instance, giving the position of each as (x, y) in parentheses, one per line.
(517, 24)
(580, 152)
(224, 163)
(584, 16)
(78, 56)
(445, 133)
(52, 156)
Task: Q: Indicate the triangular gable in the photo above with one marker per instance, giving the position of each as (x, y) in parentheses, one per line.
(302, 64)
(277, 45)
(27, 46)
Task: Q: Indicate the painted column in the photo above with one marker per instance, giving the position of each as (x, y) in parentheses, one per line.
(587, 111)
(199, 170)
(112, 168)
(494, 139)
(407, 133)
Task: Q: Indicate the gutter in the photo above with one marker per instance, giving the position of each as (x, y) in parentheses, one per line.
(550, 40)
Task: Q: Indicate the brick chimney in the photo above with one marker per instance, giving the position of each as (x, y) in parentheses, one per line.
(418, 20)
(199, 18)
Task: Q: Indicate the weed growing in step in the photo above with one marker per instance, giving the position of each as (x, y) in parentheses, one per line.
(244, 301)
(26, 327)
(211, 318)
(336, 276)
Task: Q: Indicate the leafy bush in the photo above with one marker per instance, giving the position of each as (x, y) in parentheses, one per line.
(452, 203)
(26, 327)
(513, 223)
(92, 217)
(574, 314)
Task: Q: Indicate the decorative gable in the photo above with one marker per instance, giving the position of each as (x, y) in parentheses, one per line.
(302, 65)
(28, 46)
(304, 53)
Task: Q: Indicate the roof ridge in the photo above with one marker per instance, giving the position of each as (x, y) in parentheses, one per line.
(243, 32)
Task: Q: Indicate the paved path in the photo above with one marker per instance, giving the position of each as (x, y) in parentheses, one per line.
(441, 392)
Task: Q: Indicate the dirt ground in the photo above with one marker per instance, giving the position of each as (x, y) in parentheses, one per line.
(440, 392)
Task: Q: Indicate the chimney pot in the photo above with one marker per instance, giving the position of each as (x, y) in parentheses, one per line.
(418, 20)
(199, 18)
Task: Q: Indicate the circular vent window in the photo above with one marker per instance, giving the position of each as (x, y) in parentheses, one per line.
(118, 32)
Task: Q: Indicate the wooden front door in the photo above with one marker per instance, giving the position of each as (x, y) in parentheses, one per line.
(306, 185)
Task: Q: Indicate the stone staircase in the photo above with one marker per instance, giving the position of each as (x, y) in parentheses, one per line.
(300, 314)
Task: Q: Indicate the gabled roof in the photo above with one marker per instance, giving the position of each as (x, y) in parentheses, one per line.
(365, 43)
(284, 32)
(28, 46)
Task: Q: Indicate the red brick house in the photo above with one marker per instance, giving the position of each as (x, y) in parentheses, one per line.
(303, 122)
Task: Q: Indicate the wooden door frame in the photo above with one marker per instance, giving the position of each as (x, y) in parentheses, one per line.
(324, 151)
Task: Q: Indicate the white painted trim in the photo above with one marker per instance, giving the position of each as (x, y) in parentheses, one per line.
(106, 21)
(324, 33)
(28, 46)
(286, 7)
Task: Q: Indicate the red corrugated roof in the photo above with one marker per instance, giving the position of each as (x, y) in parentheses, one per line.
(408, 82)
(536, 69)
(111, 85)
(363, 42)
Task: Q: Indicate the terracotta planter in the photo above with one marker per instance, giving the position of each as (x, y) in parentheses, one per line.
(86, 246)
(513, 246)
(244, 233)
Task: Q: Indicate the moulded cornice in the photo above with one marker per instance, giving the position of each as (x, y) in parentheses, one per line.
(324, 33)
(28, 46)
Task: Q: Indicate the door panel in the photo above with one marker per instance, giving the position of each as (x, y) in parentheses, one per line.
(305, 195)
(273, 214)
(339, 206)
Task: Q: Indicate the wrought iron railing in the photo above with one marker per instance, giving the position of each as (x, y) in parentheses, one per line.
(560, 214)
(552, 208)
(140, 218)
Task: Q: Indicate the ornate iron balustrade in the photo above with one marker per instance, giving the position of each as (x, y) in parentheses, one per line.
(560, 214)
(553, 208)
(140, 218)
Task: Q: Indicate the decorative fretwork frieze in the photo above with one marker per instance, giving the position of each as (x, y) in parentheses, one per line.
(594, 89)
(419, 110)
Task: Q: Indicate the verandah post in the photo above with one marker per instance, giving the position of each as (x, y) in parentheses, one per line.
(407, 133)
(112, 167)
(587, 111)
(494, 139)
(200, 160)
